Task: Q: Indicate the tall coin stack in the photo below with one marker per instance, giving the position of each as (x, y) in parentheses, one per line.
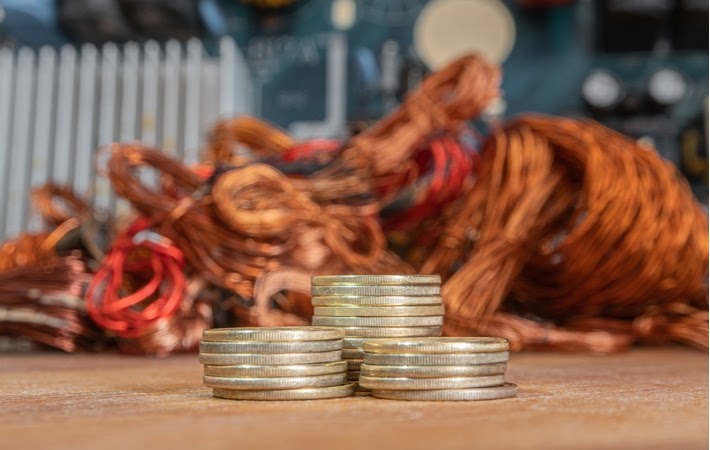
(437, 369)
(372, 307)
(280, 363)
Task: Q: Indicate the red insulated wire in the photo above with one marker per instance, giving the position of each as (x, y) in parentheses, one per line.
(451, 163)
(115, 299)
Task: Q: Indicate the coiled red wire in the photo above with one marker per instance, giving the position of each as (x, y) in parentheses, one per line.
(138, 284)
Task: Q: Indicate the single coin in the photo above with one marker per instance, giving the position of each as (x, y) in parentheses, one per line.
(378, 311)
(271, 347)
(354, 364)
(272, 334)
(353, 375)
(391, 332)
(421, 321)
(490, 393)
(383, 300)
(275, 383)
(343, 390)
(353, 353)
(413, 384)
(434, 345)
(472, 370)
(411, 290)
(236, 359)
(451, 359)
(292, 370)
(354, 342)
(334, 280)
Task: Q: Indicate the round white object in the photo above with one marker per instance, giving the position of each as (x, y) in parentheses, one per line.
(448, 29)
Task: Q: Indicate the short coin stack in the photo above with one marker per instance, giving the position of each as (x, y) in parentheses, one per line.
(437, 369)
(371, 307)
(281, 363)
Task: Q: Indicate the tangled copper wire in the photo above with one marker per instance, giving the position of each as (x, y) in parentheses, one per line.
(583, 228)
(40, 291)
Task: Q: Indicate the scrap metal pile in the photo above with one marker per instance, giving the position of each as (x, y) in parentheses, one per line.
(550, 232)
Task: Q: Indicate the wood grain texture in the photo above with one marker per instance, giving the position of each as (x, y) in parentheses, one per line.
(646, 399)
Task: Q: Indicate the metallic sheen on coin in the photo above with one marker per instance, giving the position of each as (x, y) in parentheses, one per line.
(354, 364)
(236, 359)
(270, 347)
(378, 311)
(391, 332)
(357, 300)
(490, 393)
(367, 290)
(333, 280)
(421, 321)
(272, 334)
(290, 370)
(435, 345)
(451, 359)
(410, 384)
(344, 390)
(274, 383)
(472, 370)
(353, 353)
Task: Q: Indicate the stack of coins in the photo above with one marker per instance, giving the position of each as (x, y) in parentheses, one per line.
(371, 307)
(437, 369)
(281, 363)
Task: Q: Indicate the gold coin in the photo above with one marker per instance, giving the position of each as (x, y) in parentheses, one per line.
(356, 300)
(343, 390)
(335, 280)
(451, 359)
(291, 370)
(378, 311)
(270, 347)
(391, 332)
(275, 383)
(272, 334)
(236, 359)
(507, 390)
(434, 345)
(471, 370)
(421, 321)
(410, 384)
(372, 290)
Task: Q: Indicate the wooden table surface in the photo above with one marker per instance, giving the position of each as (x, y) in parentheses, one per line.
(645, 399)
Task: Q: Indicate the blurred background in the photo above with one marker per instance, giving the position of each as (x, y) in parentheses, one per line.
(78, 74)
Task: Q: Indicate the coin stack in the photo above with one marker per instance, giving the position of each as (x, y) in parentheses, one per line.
(280, 363)
(437, 369)
(371, 307)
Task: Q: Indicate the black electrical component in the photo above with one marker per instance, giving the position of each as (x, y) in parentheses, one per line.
(94, 21)
(633, 25)
(163, 19)
(690, 25)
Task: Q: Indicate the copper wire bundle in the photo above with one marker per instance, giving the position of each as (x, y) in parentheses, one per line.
(381, 155)
(244, 224)
(581, 227)
(40, 292)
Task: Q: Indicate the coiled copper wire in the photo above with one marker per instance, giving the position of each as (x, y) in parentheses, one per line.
(576, 224)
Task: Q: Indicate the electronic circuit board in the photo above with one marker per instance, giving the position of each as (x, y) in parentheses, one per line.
(323, 68)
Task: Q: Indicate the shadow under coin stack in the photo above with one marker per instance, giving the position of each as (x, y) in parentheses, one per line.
(280, 363)
(372, 307)
(437, 369)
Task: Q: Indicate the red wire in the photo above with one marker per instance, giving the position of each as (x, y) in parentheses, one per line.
(158, 298)
(452, 164)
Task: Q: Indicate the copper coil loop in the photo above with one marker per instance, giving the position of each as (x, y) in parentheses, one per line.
(45, 199)
(579, 225)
